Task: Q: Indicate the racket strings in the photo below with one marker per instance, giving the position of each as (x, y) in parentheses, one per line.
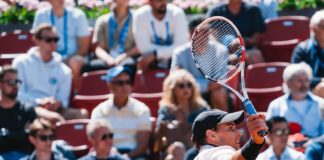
(213, 50)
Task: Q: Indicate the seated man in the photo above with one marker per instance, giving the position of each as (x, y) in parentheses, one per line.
(46, 80)
(182, 58)
(248, 19)
(129, 118)
(158, 29)
(311, 52)
(114, 36)
(299, 105)
(278, 134)
(72, 29)
(101, 138)
(14, 117)
(41, 135)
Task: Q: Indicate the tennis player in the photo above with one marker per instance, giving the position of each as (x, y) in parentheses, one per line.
(215, 133)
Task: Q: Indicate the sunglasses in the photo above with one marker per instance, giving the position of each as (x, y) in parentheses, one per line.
(45, 138)
(121, 82)
(281, 132)
(12, 82)
(107, 136)
(183, 85)
(50, 39)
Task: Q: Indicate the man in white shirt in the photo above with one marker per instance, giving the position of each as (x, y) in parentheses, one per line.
(46, 80)
(217, 137)
(72, 28)
(299, 105)
(129, 118)
(278, 135)
(159, 28)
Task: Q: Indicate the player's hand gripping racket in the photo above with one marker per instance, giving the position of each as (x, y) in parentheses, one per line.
(219, 53)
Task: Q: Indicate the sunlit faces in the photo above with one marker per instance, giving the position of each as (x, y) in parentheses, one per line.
(228, 134)
(48, 41)
(102, 140)
(9, 85)
(299, 84)
(279, 135)
(121, 85)
(159, 6)
(183, 89)
(43, 140)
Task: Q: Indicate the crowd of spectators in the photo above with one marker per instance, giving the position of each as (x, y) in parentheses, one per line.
(36, 89)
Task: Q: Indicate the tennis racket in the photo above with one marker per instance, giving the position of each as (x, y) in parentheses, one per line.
(219, 53)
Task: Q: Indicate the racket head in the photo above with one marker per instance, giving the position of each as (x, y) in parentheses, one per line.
(218, 49)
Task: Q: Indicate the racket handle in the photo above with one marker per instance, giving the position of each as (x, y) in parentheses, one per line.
(249, 108)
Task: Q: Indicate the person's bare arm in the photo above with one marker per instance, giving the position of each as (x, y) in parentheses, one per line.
(255, 123)
(142, 142)
(102, 54)
(83, 44)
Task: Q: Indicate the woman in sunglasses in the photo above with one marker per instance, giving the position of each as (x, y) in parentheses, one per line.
(180, 104)
(278, 135)
(41, 135)
(101, 138)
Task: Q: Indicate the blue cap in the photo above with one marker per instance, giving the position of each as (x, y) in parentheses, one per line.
(114, 72)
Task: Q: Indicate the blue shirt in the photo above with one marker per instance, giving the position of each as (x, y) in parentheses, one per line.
(77, 26)
(311, 121)
(315, 151)
(309, 52)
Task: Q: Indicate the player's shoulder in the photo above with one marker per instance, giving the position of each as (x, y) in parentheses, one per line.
(216, 153)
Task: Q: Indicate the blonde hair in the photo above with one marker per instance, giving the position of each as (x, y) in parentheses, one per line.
(169, 84)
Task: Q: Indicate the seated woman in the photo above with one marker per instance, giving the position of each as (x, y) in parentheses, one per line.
(180, 104)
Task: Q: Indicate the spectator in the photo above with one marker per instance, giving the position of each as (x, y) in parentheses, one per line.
(72, 28)
(268, 8)
(159, 28)
(14, 117)
(311, 52)
(182, 58)
(278, 135)
(114, 36)
(180, 104)
(315, 151)
(128, 117)
(100, 136)
(46, 80)
(299, 105)
(41, 135)
(248, 19)
(218, 97)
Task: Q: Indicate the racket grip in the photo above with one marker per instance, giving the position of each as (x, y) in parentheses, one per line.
(249, 108)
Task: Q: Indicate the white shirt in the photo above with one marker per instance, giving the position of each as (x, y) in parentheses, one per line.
(124, 122)
(208, 152)
(144, 33)
(288, 154)
(42, 79)
(311, 119)
(77, 26)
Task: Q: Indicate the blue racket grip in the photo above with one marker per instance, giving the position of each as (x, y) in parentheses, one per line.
(249, 108)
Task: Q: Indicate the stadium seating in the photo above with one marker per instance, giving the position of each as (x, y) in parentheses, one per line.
(151, 100)
(150, 81)
(91, 84)
(281, 36)
(264, 83)
(74, 133)
(14, 44)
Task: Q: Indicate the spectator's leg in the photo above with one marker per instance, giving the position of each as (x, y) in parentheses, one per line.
(254, 56)
(319, 90)
(176, 151)
(76, 62)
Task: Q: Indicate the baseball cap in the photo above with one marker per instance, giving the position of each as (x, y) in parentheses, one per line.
(114, 72)
(209, 119)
